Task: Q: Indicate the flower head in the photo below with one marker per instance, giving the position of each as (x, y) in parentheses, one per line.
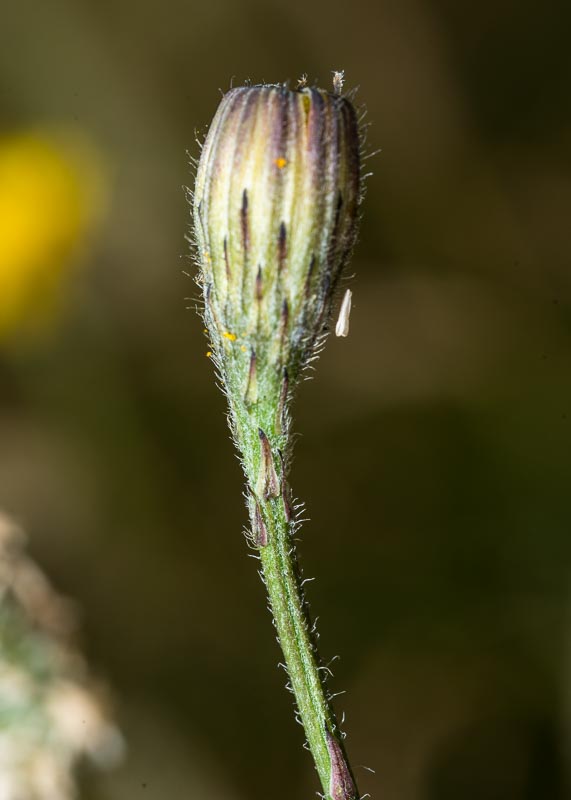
(276, 210)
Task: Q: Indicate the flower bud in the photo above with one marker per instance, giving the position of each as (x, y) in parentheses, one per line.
(275, 206)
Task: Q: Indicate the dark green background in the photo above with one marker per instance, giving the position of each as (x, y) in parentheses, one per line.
(435, 456)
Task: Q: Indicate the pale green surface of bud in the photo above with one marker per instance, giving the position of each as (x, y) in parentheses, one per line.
(276, 207)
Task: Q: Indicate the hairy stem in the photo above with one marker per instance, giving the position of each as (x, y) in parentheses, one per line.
(272, 534)
(279, 568)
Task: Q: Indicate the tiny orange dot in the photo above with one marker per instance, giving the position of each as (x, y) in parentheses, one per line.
(209, 354)
(230, 336)
(280, 162)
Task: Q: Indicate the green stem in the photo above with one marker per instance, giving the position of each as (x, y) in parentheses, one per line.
(280, 574)
(282, 578)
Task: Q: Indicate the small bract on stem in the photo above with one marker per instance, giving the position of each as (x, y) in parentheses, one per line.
(275, 205)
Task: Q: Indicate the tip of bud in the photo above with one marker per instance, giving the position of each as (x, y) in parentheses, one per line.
(338, 81)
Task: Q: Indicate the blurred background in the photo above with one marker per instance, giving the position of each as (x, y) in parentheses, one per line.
(435, 447)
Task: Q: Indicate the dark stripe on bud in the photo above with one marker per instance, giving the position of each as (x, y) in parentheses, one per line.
(259, 284)
(244, 222)
(284, 327)
(226, 261)
(282, 248)
(309, 278)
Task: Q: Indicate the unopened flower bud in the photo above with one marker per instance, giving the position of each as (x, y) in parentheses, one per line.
(275, 206)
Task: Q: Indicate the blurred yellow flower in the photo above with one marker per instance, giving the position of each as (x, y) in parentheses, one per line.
(50, 192)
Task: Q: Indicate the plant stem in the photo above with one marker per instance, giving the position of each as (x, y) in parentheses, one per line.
(281, 575)
(276, 201)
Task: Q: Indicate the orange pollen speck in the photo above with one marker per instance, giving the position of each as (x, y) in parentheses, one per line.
(209, 354)
(230, 336)
(280, 162)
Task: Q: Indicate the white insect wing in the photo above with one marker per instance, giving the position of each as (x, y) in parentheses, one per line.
(342, 327)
